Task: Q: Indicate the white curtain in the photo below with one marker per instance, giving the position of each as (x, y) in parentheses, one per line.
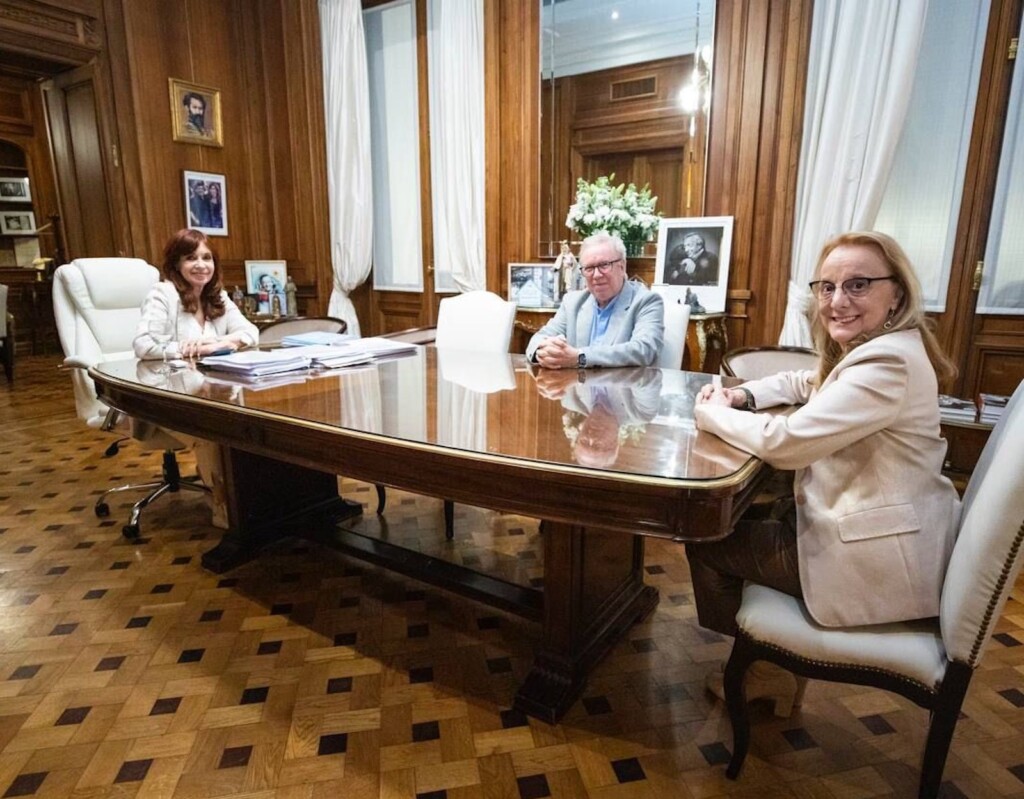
(456, 74)
(1002, 285)
(347, 109)
(861, 74)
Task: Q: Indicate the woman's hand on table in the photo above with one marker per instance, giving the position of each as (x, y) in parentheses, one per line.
(717, 395)
(198, 348)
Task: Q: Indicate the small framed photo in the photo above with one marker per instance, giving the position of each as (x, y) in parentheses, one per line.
(693, 255)
(15, 190)
(17, 223)
(195, 114)
(264, 279)
(206, 203)
(534, 287)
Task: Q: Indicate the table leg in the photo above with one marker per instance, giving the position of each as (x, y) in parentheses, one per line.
(263, 495)
(593, 593)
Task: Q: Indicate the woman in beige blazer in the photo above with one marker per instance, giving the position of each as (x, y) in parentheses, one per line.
(866, 537)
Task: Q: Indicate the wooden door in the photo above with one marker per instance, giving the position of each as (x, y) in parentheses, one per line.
(80, 119)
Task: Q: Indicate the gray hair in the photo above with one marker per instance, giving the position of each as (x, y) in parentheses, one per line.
(603, 238)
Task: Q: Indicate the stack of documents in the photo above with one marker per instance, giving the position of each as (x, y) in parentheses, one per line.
(255, 363)
(325, 356)
(954, 409)
(349, 352)
(319, 337)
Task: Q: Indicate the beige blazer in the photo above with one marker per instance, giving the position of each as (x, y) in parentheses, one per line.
(875, 517)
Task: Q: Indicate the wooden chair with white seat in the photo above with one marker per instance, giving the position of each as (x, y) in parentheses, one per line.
(928, 661)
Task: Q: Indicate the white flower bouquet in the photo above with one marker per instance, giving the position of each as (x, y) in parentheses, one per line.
(623, 210)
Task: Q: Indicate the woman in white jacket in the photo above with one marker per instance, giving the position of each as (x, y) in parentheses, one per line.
(867, 534)
(190, 306)
(188, 315)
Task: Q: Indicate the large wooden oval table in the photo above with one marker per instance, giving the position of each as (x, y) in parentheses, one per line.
(602, 457)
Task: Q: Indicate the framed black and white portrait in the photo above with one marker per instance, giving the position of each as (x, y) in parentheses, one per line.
(15, 190)
(693, 257)
(17, 223)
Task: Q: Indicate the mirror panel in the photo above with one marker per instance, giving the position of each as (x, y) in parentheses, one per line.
(625, 88)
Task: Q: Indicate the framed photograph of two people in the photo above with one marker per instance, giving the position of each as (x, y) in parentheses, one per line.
(206, 203)
(693, 260)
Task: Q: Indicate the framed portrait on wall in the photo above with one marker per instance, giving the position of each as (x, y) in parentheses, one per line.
(693, 260)
(15, 190)
(195, 114)
(534, 286)
(17, 223)
(206, 203)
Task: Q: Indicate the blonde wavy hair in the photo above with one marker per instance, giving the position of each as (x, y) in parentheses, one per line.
(909, 314)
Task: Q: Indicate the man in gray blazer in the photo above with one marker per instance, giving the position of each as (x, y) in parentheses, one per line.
(614, 322)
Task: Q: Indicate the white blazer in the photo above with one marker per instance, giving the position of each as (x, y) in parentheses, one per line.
(163, 303)
(876, 518)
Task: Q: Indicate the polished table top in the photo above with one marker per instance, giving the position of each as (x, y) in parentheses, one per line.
(601, 457)
(617, 426)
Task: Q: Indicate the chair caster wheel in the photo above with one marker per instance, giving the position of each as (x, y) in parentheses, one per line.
(130, 531)
(102, 510)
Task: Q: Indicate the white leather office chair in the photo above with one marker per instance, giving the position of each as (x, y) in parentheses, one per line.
(753, 363)
(477, 321)
(6, 336)
(930, 661)
(97, 305)
(272, 334)
(677, 318)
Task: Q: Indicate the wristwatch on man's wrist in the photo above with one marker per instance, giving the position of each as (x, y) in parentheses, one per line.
(581, 360)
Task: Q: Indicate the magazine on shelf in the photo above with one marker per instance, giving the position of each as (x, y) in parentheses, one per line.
(991, 407)
(956, 409)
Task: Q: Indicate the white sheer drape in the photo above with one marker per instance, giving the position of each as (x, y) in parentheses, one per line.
(456, 73)
(921, 205)
(863, 57)
(1002, 287)
(347, 112)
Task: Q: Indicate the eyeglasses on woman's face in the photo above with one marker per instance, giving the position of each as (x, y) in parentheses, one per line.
(854, 288)
(602, 267)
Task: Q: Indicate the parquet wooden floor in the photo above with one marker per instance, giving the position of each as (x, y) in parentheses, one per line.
(127, 670)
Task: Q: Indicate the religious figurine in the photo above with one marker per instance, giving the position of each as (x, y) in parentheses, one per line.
(694, 303)
(275, 305)
(238, 298)
(291, 295)
(567, 269)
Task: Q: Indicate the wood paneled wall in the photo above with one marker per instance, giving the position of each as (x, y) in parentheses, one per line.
(757, 112)
(264, 58)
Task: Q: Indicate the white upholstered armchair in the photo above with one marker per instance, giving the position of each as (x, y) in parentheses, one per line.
(97, 305)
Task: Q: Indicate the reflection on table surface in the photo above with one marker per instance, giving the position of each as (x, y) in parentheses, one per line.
(634, 421)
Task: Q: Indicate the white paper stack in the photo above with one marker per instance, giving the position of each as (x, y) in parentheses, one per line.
(351, 352)
(256, 363)
(326, 356)
(954, 409)
(315, 337)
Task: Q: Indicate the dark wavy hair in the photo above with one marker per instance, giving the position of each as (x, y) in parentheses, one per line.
(180, 245)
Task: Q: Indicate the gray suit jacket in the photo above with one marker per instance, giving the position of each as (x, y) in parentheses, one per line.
(875, 517)
(636, 329)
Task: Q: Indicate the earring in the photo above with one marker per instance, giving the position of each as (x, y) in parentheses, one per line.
(888, 320)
